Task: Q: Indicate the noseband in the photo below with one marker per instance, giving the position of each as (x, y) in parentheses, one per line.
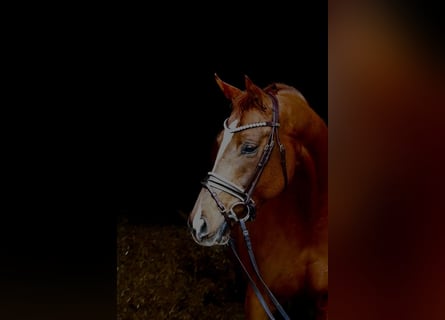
(214, 181)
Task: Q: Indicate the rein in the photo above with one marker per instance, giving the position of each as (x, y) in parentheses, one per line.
(214, 181)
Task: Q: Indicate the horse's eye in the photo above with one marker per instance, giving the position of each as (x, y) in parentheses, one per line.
(249, 149)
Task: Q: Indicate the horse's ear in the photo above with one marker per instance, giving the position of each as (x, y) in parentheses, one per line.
(230, 92)
(256, 93)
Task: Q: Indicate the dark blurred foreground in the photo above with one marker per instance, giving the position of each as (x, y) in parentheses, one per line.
(386, 161)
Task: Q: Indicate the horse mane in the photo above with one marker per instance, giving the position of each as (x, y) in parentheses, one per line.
(273, 88)
(276, 87)
(309, 152)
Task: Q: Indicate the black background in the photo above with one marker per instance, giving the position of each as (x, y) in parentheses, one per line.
(112, 112)
(166, 108)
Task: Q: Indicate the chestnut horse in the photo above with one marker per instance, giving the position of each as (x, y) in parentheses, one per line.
(270, 171)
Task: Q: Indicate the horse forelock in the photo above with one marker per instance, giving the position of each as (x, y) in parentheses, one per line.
(246, 103)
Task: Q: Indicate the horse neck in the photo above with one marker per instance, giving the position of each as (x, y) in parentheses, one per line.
(311, 139)
(317, 147)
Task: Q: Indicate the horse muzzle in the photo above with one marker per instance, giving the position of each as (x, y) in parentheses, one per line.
(203, 236)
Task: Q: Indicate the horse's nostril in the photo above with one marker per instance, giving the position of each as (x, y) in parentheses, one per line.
(203, 230)
(200, 228)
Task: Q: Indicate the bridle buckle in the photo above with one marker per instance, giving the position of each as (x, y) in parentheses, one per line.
(248, 209)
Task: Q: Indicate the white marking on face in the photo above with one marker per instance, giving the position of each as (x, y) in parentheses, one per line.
(197, 220)
(227, 137)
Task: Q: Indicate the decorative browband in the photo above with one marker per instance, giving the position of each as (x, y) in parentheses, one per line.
(250, 125)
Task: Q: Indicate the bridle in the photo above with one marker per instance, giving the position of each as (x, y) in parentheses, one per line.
(214, 181)
(244, 196)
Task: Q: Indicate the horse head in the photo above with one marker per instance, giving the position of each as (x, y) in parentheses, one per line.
(250, 164)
